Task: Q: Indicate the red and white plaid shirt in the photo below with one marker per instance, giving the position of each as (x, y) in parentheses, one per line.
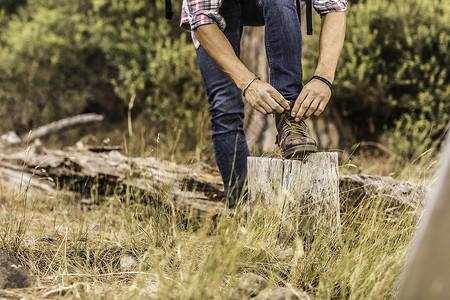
(195, 13)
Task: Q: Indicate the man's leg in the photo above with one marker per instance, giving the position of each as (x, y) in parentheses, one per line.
(283, 42)
(227, 109)
(283, 39)
(284, 47)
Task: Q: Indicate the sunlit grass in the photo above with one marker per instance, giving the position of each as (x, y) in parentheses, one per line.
(172, 255)
(64, 242)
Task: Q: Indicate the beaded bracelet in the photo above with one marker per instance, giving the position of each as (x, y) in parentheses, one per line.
(248, 84)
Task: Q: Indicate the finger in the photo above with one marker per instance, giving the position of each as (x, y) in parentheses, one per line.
(274, 105)
(320, 108)
(279, 99)
(260, 109)
(266, 107)
(312, 108)
(298, 102)
(304, 107)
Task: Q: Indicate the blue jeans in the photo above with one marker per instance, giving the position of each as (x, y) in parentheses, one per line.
(284, 50)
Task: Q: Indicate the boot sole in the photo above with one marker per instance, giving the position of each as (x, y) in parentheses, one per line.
(299, 152)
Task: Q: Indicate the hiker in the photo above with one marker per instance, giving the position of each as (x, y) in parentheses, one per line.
(216, 27)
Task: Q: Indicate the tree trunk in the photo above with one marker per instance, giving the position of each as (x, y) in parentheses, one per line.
(427, 274)
(93, 172)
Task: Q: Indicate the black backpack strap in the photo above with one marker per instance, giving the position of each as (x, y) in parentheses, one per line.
(169, 12)
(299, 10)
(308, 15)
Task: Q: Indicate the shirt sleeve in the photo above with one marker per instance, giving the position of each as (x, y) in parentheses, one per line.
(201, 12)
(327, 6)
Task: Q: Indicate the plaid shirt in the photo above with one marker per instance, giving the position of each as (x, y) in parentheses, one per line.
(201, 12)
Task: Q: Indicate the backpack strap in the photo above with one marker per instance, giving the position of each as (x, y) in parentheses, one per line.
(308, 15)
(309, 29)
(169, 12)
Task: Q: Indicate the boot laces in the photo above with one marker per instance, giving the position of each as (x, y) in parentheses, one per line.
(290, 126)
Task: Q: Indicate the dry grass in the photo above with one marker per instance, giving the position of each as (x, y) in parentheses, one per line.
(170, 256)
(64, 242)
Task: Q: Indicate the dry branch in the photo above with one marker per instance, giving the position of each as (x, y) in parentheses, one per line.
(63, 124)
(11, 138)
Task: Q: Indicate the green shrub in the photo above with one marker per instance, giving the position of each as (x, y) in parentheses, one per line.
(394, 69)
(60, 58)
(156, 63)
(11, 6)
(50, 64)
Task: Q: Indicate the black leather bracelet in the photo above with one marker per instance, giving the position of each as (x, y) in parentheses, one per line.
(323, 80)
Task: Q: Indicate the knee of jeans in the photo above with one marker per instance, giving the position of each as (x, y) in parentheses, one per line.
(226, 122)
(227, 115)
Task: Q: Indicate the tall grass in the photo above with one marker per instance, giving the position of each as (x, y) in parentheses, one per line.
(64, 242)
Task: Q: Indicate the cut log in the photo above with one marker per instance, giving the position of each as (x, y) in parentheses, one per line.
(194, 187)
(303, 192)
(42, 168)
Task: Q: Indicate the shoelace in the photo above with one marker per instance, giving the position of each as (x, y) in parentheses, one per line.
(290, 126)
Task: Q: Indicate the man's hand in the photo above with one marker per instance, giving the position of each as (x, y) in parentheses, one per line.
(265, 98)
(312, 100)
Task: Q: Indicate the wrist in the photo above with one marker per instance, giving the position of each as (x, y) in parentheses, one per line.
(243, 82)
(323, 71)
(248, 84)
(324, 80)
(327, 76)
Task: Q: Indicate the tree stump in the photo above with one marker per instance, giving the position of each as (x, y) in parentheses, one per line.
(303, 193)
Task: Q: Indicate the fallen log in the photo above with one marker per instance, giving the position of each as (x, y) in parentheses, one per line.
(197, 187)
(358, 189)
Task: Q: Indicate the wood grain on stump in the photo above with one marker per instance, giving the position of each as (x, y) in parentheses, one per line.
(303, 192)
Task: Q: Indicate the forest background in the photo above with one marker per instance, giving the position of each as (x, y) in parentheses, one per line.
(60, 58)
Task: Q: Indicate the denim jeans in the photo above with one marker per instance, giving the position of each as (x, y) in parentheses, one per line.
(283, 42)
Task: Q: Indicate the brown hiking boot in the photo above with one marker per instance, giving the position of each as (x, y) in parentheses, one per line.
(292, 137)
